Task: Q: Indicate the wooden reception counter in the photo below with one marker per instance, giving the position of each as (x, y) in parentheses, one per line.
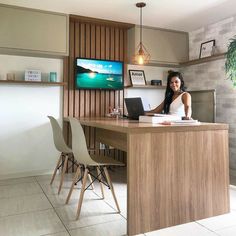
(176, 173)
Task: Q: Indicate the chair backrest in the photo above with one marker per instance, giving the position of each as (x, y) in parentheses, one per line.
(58, 136)
(79, 145)
(204, 105)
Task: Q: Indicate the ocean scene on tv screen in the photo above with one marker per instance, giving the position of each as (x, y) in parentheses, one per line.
(100, 74)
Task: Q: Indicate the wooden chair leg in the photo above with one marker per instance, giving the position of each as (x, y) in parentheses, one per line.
(63, 173)
(82, 193)
(55, 171)
(76, 177)
(91, 181)
(112, 189)
(100, 178)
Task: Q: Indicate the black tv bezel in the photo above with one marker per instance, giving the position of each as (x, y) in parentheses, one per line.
(95, 59)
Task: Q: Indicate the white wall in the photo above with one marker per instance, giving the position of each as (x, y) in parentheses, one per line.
(26, 144)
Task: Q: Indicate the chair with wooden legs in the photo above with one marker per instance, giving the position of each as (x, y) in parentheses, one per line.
(66, 152)
(101, 163)
(61, 146)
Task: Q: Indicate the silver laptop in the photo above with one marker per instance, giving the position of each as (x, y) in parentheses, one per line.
(134, 107)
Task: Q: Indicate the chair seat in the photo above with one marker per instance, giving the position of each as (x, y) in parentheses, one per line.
(105, 161)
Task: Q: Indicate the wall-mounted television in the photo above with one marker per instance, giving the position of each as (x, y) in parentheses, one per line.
(98, 74)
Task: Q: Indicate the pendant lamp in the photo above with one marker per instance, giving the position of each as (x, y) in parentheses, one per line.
(142, 56)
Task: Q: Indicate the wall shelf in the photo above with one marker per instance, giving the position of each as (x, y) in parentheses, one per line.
(32, 82)
(159, 64)
(204, 60)
(145, 87)
(189, 63)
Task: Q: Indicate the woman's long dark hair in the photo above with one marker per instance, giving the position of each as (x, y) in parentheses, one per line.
(169, 92)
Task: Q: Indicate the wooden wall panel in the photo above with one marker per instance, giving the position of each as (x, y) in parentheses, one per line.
(77, 52)
(99, 39)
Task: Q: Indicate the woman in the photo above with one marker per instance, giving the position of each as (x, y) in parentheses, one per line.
(177, 101)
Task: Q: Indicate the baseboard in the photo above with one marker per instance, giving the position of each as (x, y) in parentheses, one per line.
(26, 174)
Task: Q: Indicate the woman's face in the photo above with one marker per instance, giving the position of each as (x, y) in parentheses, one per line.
(175, 83)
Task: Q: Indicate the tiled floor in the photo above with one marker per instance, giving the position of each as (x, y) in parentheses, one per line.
(31, 207)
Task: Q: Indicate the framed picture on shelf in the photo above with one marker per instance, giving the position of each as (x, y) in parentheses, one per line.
(207, 48)
(137, 77)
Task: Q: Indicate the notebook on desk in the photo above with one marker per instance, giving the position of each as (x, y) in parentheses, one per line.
(134, 107)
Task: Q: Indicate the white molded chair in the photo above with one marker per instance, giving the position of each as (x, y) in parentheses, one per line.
(81, 154)
(61, 146)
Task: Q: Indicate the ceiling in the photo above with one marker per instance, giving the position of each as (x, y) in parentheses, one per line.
(184, 15)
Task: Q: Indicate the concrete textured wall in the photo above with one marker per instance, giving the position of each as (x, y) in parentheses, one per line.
(211, 75)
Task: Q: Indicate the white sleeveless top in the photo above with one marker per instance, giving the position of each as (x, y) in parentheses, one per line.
(177, 107)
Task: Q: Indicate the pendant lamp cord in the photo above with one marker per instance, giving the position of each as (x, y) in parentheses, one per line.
(141, 17)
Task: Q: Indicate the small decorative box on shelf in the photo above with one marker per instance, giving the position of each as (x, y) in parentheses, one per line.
(32, 75)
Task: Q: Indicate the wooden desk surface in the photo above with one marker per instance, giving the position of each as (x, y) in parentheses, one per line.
(131, 126)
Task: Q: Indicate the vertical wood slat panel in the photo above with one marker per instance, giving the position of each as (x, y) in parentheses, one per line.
(104, 45)
(92, 92)
(117, 44)
(99, 38)
(121, 58)
(71, 72)
(112, 43)
(107, 45)
(98, 41)
(82, 54)
(103, 42)
(87, 92)
(107, 56)
(121, 45)
(77, 53)
(93, 40)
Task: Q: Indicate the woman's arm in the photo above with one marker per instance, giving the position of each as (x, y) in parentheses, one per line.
(186, 99)
(158, 109)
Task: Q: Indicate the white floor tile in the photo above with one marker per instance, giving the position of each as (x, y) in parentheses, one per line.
(189, 229)
(120, 189)
(23, 204)
(58, 234)
(31, 224)
(68, 177)
(219, 222)
(17, 181)
(114, 228)
(59, 200)
(122, 201)
(53, 189)
(26, 211)
(231, 231)
(21, 189)
(92, 212)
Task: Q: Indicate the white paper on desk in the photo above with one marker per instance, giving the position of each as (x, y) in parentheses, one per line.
(166, 115)
(158, 119)
(186, 121)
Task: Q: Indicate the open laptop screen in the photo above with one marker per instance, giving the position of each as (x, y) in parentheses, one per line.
(134, 107)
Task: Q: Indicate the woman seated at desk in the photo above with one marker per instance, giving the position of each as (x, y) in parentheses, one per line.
(177, 101)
